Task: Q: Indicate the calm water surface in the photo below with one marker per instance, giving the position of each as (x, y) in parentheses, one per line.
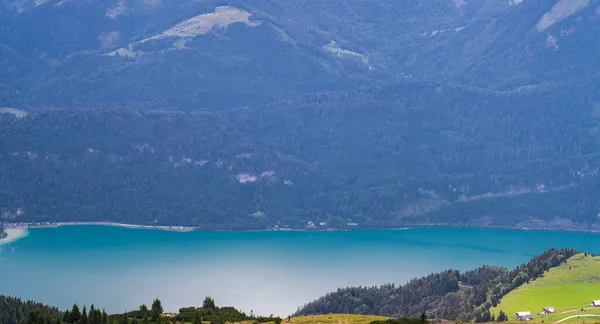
(268, 272)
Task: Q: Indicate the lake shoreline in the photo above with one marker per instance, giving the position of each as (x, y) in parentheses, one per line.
(261, 271)
(111, 224)
(177, 228)
(14, 234)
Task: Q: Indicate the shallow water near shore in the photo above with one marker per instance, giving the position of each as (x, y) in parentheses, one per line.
(13, 234)
(268, 272)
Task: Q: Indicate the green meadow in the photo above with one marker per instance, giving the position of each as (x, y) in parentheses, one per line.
(569, 288)
(330, 319)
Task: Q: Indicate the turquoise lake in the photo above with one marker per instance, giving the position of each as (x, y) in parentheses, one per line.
(268, 272)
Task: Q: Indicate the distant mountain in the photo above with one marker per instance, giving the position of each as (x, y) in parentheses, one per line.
(250, 114)
(211, 54)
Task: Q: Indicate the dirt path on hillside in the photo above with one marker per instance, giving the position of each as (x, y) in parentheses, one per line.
(583, 315)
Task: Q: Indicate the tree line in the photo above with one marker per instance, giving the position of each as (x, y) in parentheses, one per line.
(15, 311)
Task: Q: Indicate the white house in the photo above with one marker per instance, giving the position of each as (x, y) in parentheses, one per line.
(524, 316)
(596, 303)
(549, 310)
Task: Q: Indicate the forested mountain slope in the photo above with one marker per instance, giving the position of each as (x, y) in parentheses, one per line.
(13, 310)
(451, 295)
(213, 54)
(406, 154)
(252, 113)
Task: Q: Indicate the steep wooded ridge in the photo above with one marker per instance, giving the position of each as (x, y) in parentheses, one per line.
(13, 310)
(251, 114)
(392, 156)
(451, 295)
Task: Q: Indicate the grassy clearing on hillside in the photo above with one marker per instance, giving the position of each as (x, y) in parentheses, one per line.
(16, 112)
(330, 319)
(568, 288)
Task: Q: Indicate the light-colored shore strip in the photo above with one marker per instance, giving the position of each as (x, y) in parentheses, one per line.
(58, 224)
(13, 235)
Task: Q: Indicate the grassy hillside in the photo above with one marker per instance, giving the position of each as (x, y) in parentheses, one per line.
(330, 319)
(569, 288)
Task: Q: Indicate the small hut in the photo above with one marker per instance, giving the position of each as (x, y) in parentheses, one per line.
(524, 316)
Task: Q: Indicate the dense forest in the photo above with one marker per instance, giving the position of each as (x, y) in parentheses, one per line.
(453, 295)
(403, 155)
(49, 57)
(310, 113)
(15, 311)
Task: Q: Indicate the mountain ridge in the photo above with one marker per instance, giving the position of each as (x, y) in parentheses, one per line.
(396, 49)
(379, 114)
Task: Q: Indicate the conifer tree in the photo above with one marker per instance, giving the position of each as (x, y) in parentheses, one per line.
(104, 317)
(209, 303)
(84, 316)
(94, 316)
(156, 310)
(143, 312)
(197, 318)
(75, 315)
(502, 317)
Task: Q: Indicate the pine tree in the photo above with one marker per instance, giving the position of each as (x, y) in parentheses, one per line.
(94, 316)
(209, 303)
(156, 310)
(502, 317)
(143, 312)
(75, 314)
(478, 318)
(423, 318)
(104, 317)
(84, 316)
(197, 318)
